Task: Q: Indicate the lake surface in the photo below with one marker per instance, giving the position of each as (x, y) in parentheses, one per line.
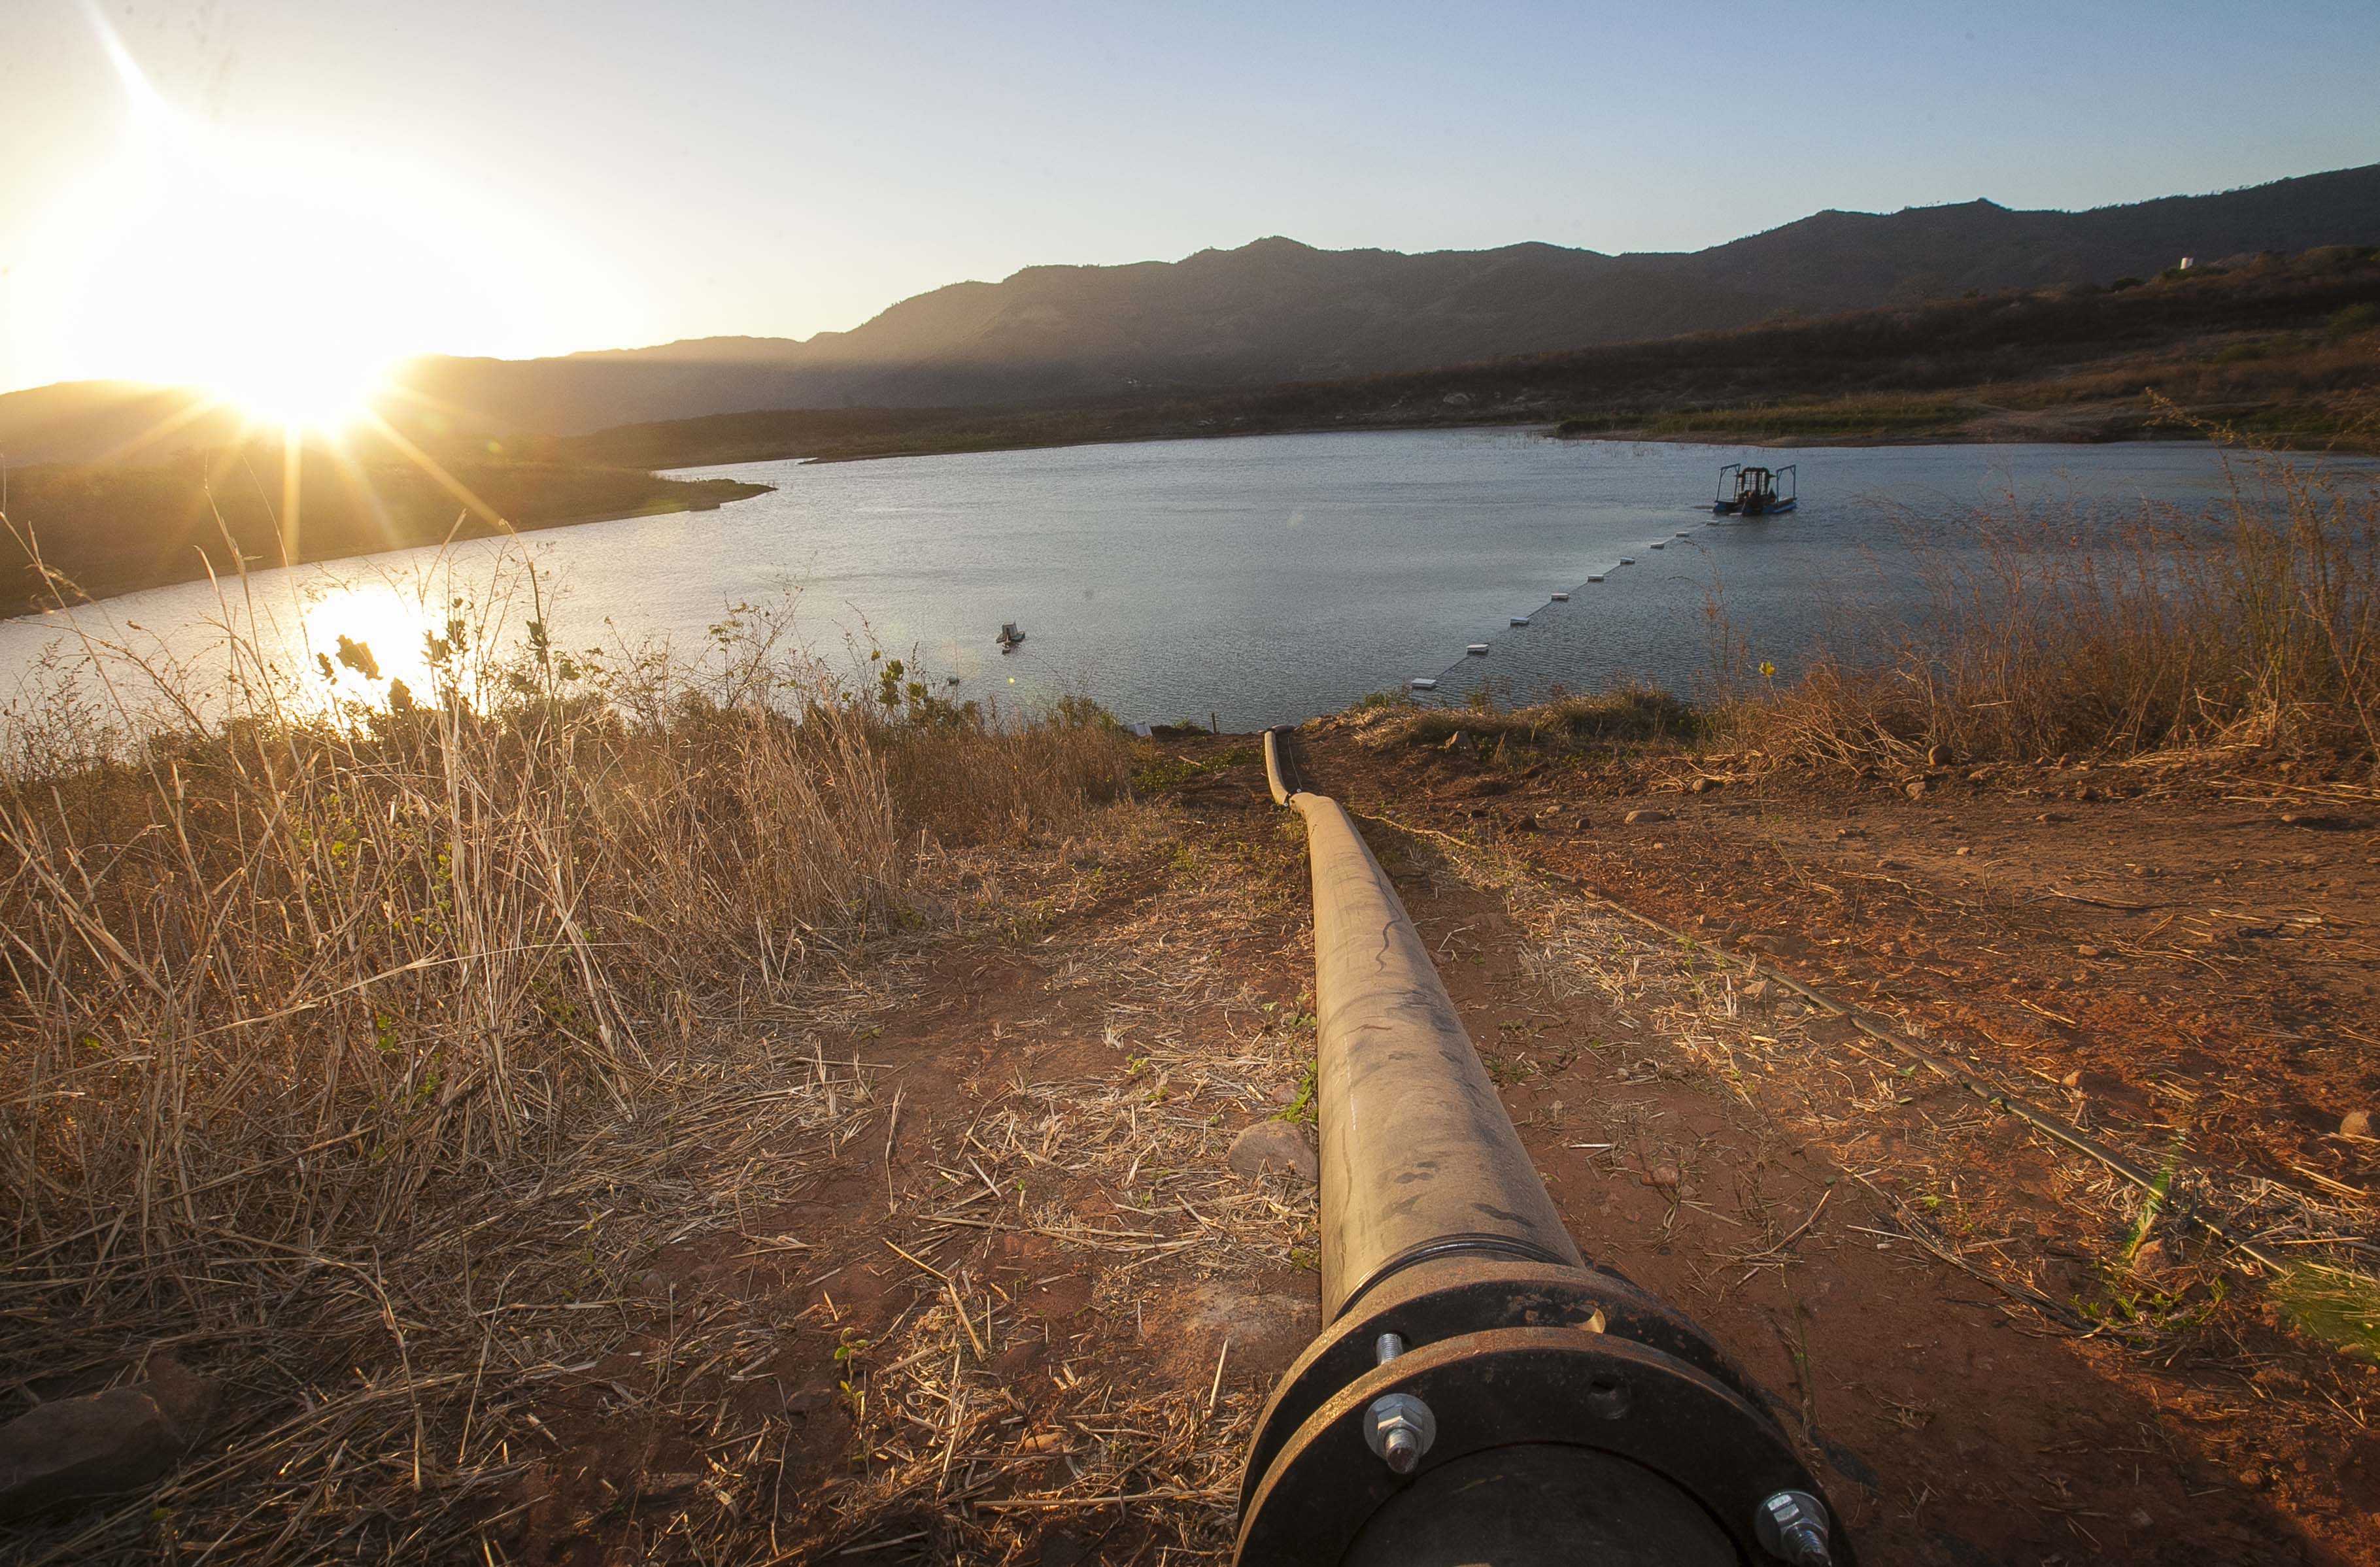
(1261, 580)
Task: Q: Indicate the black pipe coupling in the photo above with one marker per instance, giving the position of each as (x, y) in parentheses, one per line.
(1472, 1408)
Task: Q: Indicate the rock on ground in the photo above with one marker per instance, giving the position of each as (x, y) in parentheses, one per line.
(75, 1449)
(1274, 1146)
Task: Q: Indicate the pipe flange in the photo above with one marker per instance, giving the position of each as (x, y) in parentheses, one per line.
(1447, 1297)
(1513, 1386)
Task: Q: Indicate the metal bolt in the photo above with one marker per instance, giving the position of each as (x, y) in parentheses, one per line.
(1399, 1427)
(1387, 1347)
(1792, 1528)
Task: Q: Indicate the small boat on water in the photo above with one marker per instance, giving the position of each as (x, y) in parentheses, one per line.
(1010, 637)
(1754, 493)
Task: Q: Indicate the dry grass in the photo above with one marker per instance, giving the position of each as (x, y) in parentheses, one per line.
(2166, 636)
(991, 1424)
(1629, 716)
(357, 1043)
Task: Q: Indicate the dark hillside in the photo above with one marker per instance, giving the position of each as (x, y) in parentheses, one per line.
(1277, 311)
(2284, 348)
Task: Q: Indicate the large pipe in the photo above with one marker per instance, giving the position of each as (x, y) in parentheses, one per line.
(1420, 1159)
(1479, 1391)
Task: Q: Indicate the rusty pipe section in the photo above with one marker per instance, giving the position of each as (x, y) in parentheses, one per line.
(1479, 1391)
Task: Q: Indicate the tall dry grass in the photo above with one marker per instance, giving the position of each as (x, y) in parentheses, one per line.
(308, 1007)
(2045, 640)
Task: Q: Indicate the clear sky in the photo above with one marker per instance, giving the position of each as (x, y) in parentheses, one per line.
(516, 177)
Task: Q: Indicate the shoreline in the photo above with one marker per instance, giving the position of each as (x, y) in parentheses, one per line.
(2140, 432)
(13, 611)
(1550, 430)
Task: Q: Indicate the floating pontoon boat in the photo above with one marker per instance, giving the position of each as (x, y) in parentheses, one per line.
(1754, 493)
(1009, 637)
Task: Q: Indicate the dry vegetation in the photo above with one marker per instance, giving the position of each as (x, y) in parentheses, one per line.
(2166, 636)
(372, 1036)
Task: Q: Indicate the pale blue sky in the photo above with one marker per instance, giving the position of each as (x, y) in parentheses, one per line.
(640, 172)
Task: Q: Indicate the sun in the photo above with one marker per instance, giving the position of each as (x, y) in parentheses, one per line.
(296, 385)
(283, 271)
(261, 283)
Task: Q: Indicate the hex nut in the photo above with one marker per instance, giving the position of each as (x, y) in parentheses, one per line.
(1398, 1428)
(1792, 1526)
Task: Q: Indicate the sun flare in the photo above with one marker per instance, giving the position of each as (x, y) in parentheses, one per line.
(284, 274)
(279, 298)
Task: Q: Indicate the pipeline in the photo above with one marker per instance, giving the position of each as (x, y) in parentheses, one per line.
(1480, 1391)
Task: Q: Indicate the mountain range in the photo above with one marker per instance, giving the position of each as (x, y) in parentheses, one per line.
(1276, 311)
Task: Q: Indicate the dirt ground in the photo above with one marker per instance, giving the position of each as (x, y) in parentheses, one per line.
(1021, 1310)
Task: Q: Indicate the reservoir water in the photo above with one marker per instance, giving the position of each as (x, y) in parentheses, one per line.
(1261, 580)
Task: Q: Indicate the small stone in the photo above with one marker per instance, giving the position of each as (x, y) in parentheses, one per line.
(2152, 1261)
(1662, 1174)
(1639, 816)
(1274, 1146)
(1759, 991)
(101, 1444)
(1963, 851)
(1936, 755)
(1914, 788)
(2355, 1124)
(2087, 950)
(2073, 1080)
(2139, 1518)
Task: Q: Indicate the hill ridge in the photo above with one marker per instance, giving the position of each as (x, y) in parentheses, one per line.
(1275, 309)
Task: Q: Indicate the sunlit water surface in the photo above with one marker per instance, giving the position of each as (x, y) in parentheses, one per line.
(1259, 580)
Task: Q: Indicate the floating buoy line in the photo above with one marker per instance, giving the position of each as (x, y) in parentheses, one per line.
(1423, 685)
